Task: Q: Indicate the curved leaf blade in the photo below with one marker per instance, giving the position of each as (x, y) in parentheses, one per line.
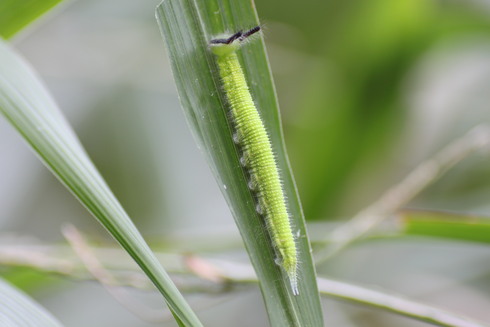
(17, 309)
(30, 109)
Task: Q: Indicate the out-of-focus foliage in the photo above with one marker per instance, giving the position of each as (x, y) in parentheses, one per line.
(352, 99)
(15, 14)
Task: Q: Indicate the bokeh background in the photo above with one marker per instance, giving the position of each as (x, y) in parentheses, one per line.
(367, 90)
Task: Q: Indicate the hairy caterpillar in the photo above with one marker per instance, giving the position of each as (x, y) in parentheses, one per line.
(258, 157)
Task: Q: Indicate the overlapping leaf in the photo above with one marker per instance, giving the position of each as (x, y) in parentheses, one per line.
(28, 107)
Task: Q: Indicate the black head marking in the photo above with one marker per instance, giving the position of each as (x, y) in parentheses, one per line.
(218, 41)
(229, 40)
(249, 32)
(237, 36)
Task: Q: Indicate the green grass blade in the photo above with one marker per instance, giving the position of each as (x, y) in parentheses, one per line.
(29, 108)
(17, 309)
(187, 26)
(445, 225)
(15, 14)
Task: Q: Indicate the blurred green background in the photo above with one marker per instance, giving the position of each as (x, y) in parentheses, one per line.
(367, 90)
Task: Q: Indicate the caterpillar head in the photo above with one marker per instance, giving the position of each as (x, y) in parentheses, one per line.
(223, 47)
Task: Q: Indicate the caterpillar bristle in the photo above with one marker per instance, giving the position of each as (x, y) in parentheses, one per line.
(293, 280)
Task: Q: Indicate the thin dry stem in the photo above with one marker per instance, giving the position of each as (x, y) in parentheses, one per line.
(238, 273)
(105, 278)
(399, 195)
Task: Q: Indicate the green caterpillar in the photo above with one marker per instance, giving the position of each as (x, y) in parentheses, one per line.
(258, 157)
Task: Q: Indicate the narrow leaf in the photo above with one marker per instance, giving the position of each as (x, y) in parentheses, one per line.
(17, 309)
(187, 27)
(15, 14)
(30, 109)
(446, 225)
